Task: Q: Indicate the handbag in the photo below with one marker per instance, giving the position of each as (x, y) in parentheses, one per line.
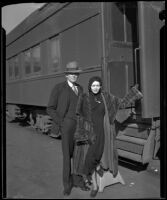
(84, 133)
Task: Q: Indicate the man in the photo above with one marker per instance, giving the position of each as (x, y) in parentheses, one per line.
(62, 109)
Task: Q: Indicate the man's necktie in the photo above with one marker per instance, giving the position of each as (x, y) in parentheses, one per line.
(75, 89)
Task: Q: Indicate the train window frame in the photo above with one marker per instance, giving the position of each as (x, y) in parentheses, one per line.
(26, 75)
(14, 61)
(124, 6)
(10, 66)
(114, 9)
(32, 61)
(32, 74)
(120, 68)
(58, 54)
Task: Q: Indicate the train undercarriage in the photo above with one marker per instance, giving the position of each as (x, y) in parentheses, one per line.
(29, 115)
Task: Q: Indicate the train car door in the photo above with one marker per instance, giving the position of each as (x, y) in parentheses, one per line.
(120, 46)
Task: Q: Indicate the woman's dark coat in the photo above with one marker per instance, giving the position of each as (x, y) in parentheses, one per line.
(112, 103)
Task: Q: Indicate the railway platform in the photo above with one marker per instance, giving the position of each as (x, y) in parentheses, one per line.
(34, 170)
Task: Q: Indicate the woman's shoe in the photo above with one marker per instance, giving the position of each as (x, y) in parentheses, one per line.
(85, 188)
(87, 181)
(93, 193)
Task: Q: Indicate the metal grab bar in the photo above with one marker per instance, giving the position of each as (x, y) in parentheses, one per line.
(136, 49)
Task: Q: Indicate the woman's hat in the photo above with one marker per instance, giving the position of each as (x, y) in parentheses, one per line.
(72, 68)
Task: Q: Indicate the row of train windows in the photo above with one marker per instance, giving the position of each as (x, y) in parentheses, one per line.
(31, 61)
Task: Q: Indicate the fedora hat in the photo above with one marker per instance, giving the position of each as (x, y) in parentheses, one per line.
(72, 67)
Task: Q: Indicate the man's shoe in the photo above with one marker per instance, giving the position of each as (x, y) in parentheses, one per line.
(67, 192)
(58, 136)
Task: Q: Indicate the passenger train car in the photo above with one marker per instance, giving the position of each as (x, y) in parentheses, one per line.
(118, 41)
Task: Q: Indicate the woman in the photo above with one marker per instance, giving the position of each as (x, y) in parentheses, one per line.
(100, 108)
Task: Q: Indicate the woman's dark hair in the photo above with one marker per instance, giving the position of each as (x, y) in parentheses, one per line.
(91, 80)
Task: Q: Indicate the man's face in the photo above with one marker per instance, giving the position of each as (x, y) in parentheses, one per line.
(72, 77)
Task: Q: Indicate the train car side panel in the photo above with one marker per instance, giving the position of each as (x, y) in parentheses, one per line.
(55, 24)
(82, 43)
(149, 38)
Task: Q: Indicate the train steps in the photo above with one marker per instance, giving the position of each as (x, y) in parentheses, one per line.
(136, 142)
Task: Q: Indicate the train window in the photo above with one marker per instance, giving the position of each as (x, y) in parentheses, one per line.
(131, 22)
(120, 86)
(11, 71)
(117, 22)
(124, 21)
(36, 59)
(27, 63)
(55, 55)
(16, 67)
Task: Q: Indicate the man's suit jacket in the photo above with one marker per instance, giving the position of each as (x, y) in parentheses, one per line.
(59, 101)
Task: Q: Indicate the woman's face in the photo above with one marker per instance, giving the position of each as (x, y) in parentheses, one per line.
(95, 87)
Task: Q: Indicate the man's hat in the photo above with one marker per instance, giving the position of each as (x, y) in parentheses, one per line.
(72, 67)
